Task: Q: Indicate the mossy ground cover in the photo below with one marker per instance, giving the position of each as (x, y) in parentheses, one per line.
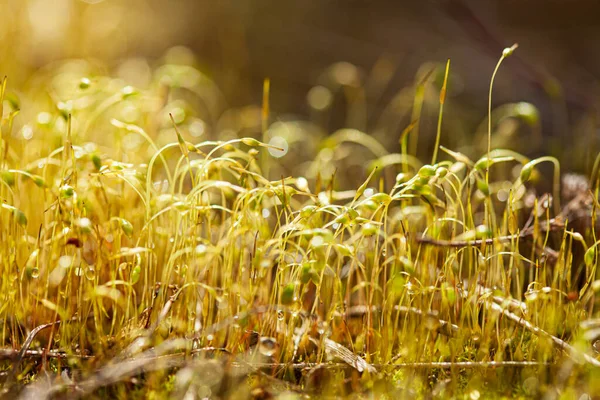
(154, 245)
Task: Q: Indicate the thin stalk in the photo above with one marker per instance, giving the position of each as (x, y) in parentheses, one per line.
(507, 52)
(439, 125)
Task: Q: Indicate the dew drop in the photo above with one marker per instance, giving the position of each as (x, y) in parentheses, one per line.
(267, 346)
(531, 295)
(322, 327)
(200, 249)
(90, 273)
(474, 395)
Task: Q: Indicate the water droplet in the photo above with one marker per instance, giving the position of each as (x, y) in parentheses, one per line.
(410, 288)
(280, 315)
(322, 327)
(90, 273)
(531, 295)
(474, 395)
(267, 346)
(200, 249)
(35, 273)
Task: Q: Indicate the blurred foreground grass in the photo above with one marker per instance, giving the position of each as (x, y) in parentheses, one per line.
(155, 243)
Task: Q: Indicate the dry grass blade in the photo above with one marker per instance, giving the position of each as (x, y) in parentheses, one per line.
(338, 351)
(25, 347)
(570, 350)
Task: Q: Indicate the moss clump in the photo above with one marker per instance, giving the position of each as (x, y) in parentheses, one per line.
(160, 245)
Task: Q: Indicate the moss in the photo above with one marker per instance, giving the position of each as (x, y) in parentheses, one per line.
(184, 253)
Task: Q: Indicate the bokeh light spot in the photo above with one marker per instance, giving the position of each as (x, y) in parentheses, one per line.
(282, 145)
(319, 98)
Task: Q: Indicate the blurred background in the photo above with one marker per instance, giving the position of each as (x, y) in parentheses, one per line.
(347, 63)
